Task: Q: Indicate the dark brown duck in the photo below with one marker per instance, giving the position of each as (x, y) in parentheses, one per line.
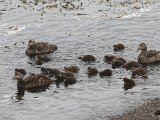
(118, 47)
(65, 80)
(131, 65)
(128, 83)
(140, 71)
(92, 71)
(118, 62)
(50, 72)
(109, 58)
(106, 72)
(35, 48)
(87, 58)
(147, 57)
(73, 69)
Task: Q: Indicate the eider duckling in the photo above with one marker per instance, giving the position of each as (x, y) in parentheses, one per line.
(35, 48)
(118, 62)
(50, 72)
(65, 80)
(131, 65)
(106, 72)
(73, 69)
(67, 73)
(92, 71)
(22, 71)
(109, 58)
(148, 57)
(128, 83)
(40, 59)
(140, 71)
(87, 58)
(32, 81)
(118, 47)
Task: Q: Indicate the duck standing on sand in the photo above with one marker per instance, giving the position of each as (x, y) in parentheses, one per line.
(32, 81)
(35, 48)
(148, 57)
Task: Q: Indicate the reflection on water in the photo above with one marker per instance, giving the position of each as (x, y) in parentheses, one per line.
(76, 35)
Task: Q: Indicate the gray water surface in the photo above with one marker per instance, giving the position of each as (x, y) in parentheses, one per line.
(95, 33)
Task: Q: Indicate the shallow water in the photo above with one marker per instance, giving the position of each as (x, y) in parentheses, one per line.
(94, 33)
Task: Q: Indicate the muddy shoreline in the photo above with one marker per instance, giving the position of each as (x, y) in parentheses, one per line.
(146, 111)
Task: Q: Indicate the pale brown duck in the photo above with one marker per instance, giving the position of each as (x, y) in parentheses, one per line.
(35, 48)
(148, 57)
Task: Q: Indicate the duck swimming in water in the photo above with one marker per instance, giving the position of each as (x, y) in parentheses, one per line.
(73, 69)
(148, 57)
(32, 81)
(131, 65)
(87, 58)
(35, 48)
(118, 47)
(50, 72)
(65, 80)
(92, 71)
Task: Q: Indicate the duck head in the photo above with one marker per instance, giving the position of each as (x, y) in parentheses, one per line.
(142, 46)
(18, 77)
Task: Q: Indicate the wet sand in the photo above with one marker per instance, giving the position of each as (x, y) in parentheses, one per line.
(147, 111)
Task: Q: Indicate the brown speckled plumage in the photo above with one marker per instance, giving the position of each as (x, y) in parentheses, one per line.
(40, 48)
(32, 81)
(148, 57)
